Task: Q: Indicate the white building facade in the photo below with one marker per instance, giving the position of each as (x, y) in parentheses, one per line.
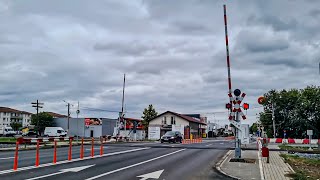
(9, 115)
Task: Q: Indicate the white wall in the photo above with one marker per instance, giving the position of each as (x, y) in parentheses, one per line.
(179, 121)
(26, 119)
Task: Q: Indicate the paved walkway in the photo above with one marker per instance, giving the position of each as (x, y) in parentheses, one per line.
(276, 169)
(240, 170)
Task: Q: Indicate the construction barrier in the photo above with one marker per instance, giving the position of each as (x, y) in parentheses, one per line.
(278, 140)
(291, 141)
(191, 141)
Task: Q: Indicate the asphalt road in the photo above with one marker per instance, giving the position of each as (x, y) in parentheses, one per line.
(122, 161)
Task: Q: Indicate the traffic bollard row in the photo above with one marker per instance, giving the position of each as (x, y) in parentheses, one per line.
(37, 158)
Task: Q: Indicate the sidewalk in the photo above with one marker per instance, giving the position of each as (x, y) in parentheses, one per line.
(276, 168)
(256, 166)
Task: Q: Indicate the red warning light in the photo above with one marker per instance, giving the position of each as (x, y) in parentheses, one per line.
(228, 106)
(245, 106)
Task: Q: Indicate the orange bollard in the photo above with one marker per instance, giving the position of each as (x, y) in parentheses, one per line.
(37, 153)
(70, 150)
(92, 148)
(81, 150)
(55, 152)
(15, 164)
(101, 148)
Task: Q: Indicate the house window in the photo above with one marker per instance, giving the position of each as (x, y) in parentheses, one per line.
(4, 119)
(173, 120)
(4, 113)
(164, 120)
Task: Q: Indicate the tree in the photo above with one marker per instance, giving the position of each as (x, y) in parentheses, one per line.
(149, 113)
(45, 120)
(253, 128)
(16, 126)
(295, 111)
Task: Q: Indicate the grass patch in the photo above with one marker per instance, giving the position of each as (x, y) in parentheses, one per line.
(305, 168)
(7, 139)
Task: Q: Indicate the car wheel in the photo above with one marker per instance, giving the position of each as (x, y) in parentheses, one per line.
(161, 141)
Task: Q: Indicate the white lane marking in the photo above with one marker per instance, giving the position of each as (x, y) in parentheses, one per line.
(73, 160)
(8, 158)
(208, 144)
(96, 148)
(221, 143)
(153, 175)
(75, 169)
(133, 165)
(142, 144)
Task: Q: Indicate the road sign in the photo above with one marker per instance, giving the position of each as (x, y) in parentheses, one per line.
(87, 122)
(309, 132)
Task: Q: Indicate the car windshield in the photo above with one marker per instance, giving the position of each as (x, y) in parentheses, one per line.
(170, 133)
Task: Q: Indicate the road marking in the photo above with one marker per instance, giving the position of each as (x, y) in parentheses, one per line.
(75, 169)
(73, 160)
(153, 175)
(97, 148)
(133, 165)
(7, 158)
(221, 143)
(208, 144)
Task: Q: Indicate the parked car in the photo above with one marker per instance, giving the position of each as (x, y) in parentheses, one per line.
(55, 132)
(172, 136)
(30, 133)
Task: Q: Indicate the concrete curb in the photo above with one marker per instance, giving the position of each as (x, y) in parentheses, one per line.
(219, 164)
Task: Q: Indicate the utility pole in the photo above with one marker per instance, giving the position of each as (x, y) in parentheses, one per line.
(122, 115)
(68, 105)
(273, 122)
(37, 105)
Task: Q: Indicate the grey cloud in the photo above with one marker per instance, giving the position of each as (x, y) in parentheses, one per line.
(275, 22)
(259, 42)
(172, 52)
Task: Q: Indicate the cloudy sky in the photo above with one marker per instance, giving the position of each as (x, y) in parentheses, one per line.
(173, 53)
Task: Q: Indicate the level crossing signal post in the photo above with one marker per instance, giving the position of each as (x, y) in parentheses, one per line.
(235, 111)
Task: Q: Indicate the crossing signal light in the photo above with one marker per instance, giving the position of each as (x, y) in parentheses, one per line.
(228, 106)
(245, 106)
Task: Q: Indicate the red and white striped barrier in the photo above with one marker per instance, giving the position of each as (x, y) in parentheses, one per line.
(293, 141)
(22, 140)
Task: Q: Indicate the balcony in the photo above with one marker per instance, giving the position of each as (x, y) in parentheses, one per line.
(16, 116)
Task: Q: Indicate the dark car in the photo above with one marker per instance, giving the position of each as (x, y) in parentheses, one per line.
(172, 136)
(31, 134)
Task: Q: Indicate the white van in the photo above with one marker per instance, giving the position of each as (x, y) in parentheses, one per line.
(6, 131)
(55, 132)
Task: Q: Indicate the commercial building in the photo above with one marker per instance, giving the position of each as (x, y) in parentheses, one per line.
(87, 127)
(9, 115)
